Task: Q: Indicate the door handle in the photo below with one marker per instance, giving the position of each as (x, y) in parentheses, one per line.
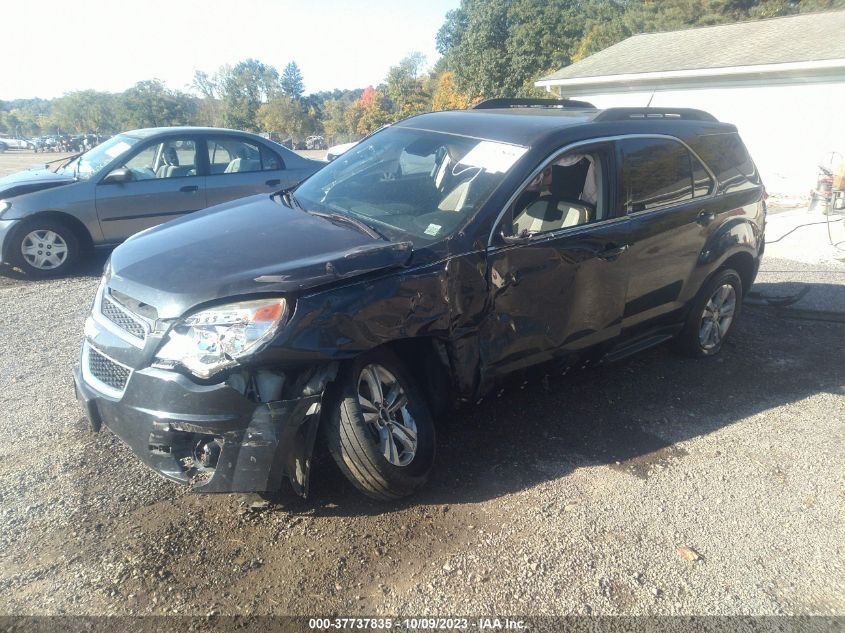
(612, 251)
(706, 217)
(189, 188)
(274, 182)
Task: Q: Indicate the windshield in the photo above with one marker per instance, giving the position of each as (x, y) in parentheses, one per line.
(92, 161)
(417, 182)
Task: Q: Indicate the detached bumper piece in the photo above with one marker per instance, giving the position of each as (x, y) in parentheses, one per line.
(211, 438)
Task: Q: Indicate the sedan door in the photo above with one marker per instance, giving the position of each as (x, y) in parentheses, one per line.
(558, 272)
(164, 182)
(240, 166)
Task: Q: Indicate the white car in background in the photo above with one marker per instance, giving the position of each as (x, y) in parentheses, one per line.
(14, 143)
(336, 150)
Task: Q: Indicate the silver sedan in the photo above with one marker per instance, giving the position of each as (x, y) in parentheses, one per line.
(129, 183)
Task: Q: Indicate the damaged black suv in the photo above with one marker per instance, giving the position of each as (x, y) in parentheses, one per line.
(427, 264)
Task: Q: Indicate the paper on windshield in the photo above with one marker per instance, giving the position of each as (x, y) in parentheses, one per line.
(117, 149)
(493, 157)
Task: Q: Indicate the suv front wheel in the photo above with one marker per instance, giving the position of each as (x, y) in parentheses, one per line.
(712, 314)
(380, 431)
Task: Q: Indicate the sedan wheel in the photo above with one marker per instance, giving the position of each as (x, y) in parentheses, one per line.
(44, 249)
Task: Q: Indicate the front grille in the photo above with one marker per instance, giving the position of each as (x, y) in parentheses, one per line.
(107, 371)
(121, 319)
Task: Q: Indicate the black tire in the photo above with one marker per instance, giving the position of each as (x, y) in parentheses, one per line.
(689, 341)
(63, 230)
(354, 442)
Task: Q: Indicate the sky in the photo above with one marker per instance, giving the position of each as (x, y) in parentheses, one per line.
(109, 45)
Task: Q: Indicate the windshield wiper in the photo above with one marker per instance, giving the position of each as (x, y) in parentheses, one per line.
(349, 220)
(288, 198)
(67, 160)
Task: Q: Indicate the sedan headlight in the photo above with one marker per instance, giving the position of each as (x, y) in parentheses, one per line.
(209, 341)
(4, 206)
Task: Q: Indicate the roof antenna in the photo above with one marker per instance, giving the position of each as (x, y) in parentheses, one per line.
(648, 105)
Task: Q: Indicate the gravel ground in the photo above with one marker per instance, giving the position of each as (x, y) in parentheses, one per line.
(657, 485)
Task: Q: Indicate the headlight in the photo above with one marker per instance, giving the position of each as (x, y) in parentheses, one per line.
(212, 340)
(4, 206)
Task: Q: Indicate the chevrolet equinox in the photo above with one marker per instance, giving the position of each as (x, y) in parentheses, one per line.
(421, 268)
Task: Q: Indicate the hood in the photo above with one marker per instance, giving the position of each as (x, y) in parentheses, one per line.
(30, 180)
(252, 245)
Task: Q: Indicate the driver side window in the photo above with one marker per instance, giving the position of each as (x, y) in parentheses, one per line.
(568, 192)
(172, 158)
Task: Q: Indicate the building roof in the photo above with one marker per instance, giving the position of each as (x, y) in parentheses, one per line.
(802, 42)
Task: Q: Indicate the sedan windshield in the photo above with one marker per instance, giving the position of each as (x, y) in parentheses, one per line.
(92, 161)
(418, 183)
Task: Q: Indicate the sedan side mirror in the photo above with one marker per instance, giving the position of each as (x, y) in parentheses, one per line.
(118, 176)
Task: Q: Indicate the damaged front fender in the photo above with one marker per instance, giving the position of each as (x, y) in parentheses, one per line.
(278, 442)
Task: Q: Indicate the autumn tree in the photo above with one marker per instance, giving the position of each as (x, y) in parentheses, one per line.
(446, 96)
(368, 113)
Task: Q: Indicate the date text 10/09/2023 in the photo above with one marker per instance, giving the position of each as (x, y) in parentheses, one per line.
(415, 624)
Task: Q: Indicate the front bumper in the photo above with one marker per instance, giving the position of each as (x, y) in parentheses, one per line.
(164, 417)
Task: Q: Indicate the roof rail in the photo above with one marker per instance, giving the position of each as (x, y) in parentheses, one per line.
(638, 114)
(568, 104)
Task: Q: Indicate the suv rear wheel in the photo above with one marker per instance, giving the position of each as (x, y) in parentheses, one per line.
(713, 313)
(380, 431)
(43, 247)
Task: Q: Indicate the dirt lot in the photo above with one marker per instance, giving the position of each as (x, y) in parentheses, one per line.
(575, 495)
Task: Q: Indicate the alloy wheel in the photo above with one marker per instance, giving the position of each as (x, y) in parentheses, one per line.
(44, 249)
(385, 408)
(717, 317)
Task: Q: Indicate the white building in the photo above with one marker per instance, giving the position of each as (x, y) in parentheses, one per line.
(780, 81)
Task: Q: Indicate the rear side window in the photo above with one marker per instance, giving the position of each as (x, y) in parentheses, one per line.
(728, 159)
(233, 155)
(655, 173)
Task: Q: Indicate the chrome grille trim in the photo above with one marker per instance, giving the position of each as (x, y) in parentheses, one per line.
(109, 313)
(103, 373)
(122, 318)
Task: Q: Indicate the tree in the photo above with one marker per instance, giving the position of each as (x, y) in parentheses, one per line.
(406, 89)
(333, 122)
(85, 111)
(243, 88)
(291, 81)
(498, 48)
(495, 48)
(368, 113)
(151, 104)
(286, 116)
(446, 96)
(207, 86)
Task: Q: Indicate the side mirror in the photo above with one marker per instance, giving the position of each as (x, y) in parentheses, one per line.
(118, 176)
